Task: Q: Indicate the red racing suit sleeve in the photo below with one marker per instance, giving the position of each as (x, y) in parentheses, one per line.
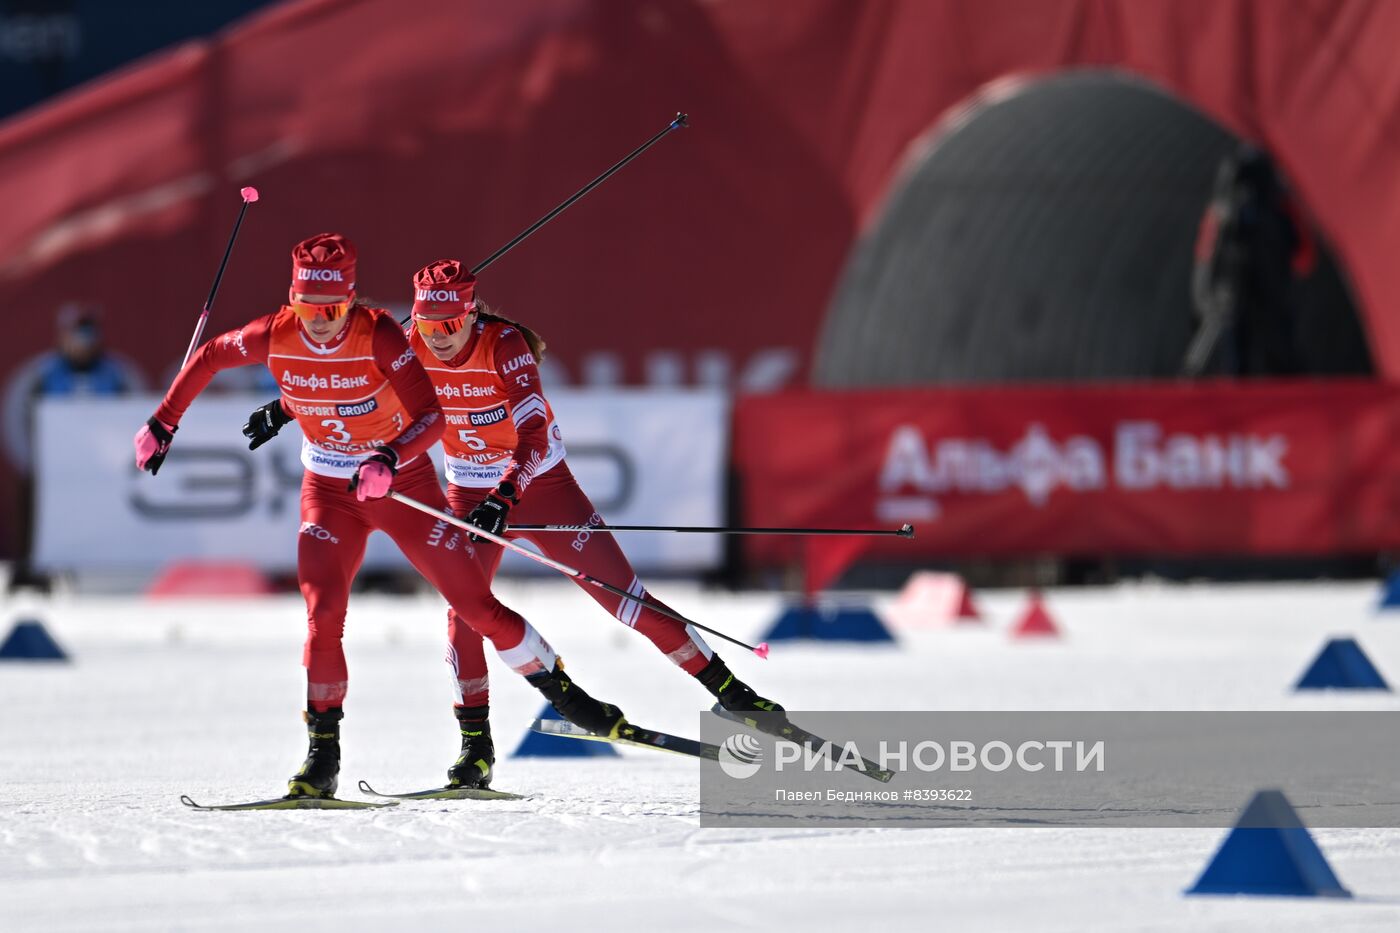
(249, 344)
(516, 367)
(397, 361)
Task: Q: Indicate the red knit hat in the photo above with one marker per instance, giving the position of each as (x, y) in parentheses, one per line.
(443, 287)
(324, 265)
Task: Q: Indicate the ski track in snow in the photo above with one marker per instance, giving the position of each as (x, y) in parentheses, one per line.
(203, 698)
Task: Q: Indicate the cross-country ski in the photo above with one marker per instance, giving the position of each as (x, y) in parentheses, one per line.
(445, 793)
(290, 803)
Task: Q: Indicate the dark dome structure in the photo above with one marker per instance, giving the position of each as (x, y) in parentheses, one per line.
(1047, 233)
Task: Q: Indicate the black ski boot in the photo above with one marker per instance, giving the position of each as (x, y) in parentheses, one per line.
(319, 774)
(571, 702)
(473, 766)
(733, 694)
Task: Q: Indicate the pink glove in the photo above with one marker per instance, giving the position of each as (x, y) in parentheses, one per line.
(152, 444)
(375, 475)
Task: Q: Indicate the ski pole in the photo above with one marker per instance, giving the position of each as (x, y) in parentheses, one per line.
(903, 531)
(250, 194)
(761, 650)
(678, 123)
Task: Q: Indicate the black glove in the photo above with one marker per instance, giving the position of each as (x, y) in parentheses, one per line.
(490, 514)
(264, 423)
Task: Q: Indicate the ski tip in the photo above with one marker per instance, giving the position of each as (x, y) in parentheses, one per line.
(366, 789)
(762, 650)
(250, 194)
(906, 530)
(188, 802)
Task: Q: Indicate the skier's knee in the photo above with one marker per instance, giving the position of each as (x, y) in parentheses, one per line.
(531, 655)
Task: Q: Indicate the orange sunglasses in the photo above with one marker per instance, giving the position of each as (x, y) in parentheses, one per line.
(446, 326)
(331, 312)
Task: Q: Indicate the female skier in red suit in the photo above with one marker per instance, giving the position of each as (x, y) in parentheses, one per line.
(368, 413)
(505, 456)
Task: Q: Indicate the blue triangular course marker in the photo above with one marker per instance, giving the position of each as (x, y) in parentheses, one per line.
(1269, 853)
(30, 641)
(1342, 665)
(828, 623)
(538, 745)
(1390, 592)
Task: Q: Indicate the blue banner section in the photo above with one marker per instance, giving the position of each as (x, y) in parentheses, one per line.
(50, 46)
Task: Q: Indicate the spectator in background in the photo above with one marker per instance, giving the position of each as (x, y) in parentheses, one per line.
(80, 365)
(1252, 246)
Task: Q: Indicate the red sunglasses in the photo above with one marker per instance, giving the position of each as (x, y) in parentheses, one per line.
(447, 326)
(331, 312)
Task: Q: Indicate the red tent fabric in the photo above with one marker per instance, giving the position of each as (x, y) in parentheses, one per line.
(438, 128)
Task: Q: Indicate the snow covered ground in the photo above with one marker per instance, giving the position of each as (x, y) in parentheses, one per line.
(203, 698)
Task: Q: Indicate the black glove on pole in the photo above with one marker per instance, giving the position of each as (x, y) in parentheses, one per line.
(490, 514)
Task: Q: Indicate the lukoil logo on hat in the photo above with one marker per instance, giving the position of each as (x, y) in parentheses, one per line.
(741, 756)
(324, 265)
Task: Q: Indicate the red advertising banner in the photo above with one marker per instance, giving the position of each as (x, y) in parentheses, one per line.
(1299, 468)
